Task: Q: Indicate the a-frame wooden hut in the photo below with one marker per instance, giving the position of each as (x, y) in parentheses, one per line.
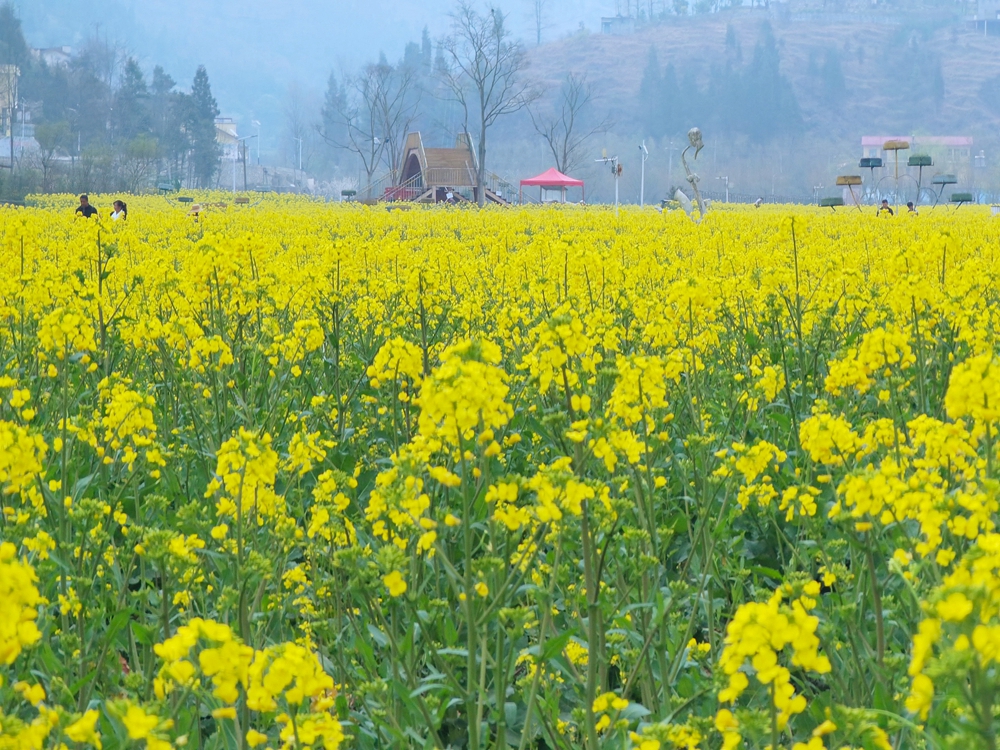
(430, 175)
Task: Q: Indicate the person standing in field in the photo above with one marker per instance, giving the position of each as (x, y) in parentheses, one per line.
(120, 212)
(85, 209)
(885, 208)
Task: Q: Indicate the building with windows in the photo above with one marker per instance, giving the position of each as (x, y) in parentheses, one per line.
(227, 137)
(986, 17)
(617, 25)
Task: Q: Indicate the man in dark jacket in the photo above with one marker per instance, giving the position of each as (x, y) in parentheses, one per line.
(85, 208)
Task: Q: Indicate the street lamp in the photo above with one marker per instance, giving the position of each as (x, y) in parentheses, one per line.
(726, 178)
(642, 180)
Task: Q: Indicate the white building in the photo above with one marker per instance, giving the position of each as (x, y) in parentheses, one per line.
(54, 57)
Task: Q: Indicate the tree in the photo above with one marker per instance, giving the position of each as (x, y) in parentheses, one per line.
(426, 49)
(371, 114)
(91, 75)
(538, 18)
(832, 74)
(205, 149)
(651, 96)
(566, 128)
(13, 47)
(769, 107)
(169, 116)
(298, 125)
(137, 162)
(485, 72)
(131, 103)
(51, 138)
(160, 102)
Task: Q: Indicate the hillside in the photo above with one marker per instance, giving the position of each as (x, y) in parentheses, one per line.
(883, 66)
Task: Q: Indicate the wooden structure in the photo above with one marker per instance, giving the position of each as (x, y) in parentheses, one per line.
(431, 175)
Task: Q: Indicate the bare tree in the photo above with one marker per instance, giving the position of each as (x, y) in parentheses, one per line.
(538, 17)
(371, 115)
(565, 127)
(397, 99)
(484, 69)
(297, 123)
(138, 161)
(51, 137)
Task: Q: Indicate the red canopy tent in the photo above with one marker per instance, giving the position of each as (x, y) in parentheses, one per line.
(551, 178)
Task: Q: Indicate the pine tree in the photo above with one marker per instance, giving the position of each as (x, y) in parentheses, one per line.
(131, 107)
(651, 97)
(672, 108)
(425, 47)
(205, 149)
(832, 74)
(159, 101)
(769, 106)
(331, 119)
(13, 47)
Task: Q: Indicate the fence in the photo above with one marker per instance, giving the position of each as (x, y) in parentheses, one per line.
(719, 196)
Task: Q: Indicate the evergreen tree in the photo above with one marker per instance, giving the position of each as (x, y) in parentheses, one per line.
(673, 112)
(425, 48)
(168, 113)
(734, 51)
(832, 74)
(334, 104)
(769, 104)
(691, 104)
(131, 107)
(90, 96)
(412, 56)
(651, 96)
(205, 149)
(13, 47)
(160, 91)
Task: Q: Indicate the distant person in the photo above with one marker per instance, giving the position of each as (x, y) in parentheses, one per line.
(449, 197)
(85, 209)
(885, 208)
(910, 208)
(757, 203)
(120, 212)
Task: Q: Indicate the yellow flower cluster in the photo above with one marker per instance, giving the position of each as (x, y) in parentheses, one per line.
(19, 599)
(549, 472)
(756, 637)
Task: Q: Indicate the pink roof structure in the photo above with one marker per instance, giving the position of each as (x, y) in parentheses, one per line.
(954, 141)
(554, 179)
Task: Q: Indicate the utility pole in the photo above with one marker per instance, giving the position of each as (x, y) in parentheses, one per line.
(241, 144)
(256, 124)
(726, 178)
(642, 179)
(670, 163)
(616, 170)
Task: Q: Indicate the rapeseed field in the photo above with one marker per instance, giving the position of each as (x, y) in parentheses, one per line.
(289, 475)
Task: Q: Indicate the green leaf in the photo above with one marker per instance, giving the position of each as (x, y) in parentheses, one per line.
(378, 636)
(143, 634)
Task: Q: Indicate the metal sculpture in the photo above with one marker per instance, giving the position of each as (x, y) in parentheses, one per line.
(694, 138)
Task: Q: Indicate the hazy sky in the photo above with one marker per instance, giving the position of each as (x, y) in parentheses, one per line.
(267, 44)
(256, 50)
